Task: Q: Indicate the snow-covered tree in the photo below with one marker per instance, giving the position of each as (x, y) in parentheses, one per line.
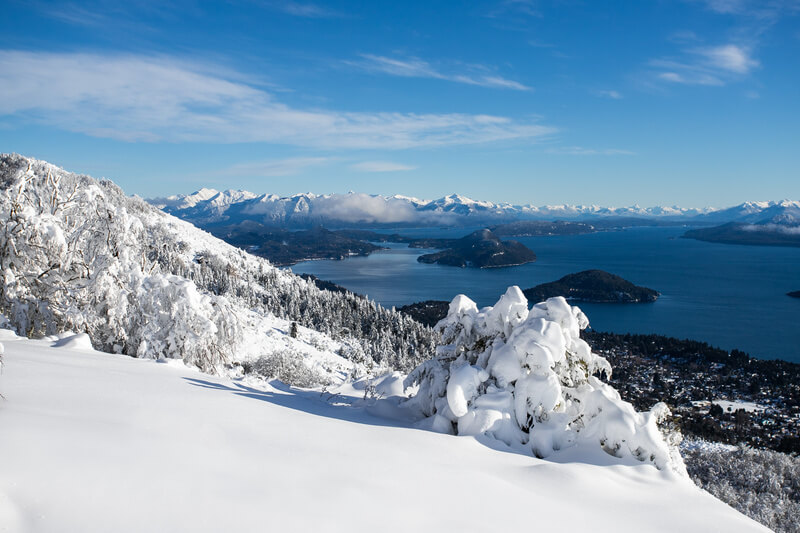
(77, 254)
(526, 378)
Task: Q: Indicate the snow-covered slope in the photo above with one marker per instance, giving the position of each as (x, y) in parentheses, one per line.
(757, 223)
(757, 213)
(79, 255)
(93, 442)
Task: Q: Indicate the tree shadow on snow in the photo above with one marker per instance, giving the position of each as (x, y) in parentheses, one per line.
(324, 404)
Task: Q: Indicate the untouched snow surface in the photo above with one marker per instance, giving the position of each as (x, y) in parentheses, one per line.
(97, 442)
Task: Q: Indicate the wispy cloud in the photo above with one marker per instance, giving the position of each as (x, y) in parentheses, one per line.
(753, 18)
(76, 14)
(307, 10)
(728, 57)
(110, 14)
(614, 95)
(417, 68)
(684, 37)
(144, 98)
(726, 6)
(685, 74)
(508, 8)
(728, 62)
(754, 9)
(276, 167)
(713, 65)
(580, 150)
(380, 166)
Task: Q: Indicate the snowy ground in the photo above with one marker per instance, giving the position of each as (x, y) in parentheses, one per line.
(730, 406)
(750, 407)
(99, 442)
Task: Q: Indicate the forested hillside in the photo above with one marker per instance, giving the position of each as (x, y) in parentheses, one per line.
(79, 255)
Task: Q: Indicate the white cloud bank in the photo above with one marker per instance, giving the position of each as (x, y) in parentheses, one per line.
(359, 207)
(145, 98)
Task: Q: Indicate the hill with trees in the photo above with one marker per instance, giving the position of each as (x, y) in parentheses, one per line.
(78, 255)
(593, 286)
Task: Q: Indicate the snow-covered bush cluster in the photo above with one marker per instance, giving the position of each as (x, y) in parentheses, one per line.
(79, 255)
(763, 484)
(526, 378)
(289, 368)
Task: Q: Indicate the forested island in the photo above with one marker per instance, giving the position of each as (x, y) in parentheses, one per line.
(587, 286)
(480, 249)
(592, 286)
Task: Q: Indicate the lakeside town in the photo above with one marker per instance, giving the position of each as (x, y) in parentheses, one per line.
(713, 394)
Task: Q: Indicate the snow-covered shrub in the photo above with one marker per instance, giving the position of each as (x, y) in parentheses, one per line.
(175, 318)
(526, 378)
(289, 368)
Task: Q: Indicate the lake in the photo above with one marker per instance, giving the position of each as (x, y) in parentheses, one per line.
(731, 296)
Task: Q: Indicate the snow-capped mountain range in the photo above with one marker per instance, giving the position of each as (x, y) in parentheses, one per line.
(786, 212)
(209, 207)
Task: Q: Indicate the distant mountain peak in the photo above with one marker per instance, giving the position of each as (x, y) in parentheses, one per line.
(208, 206)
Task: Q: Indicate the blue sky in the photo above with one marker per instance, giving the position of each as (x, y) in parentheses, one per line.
(689, 102)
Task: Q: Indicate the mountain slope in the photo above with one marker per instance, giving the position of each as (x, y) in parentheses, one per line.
(79, 255)
(95, 448)
(756, 223)
(762, 234)
(753, 212)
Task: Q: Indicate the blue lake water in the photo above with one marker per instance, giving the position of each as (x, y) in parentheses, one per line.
(731, 296)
